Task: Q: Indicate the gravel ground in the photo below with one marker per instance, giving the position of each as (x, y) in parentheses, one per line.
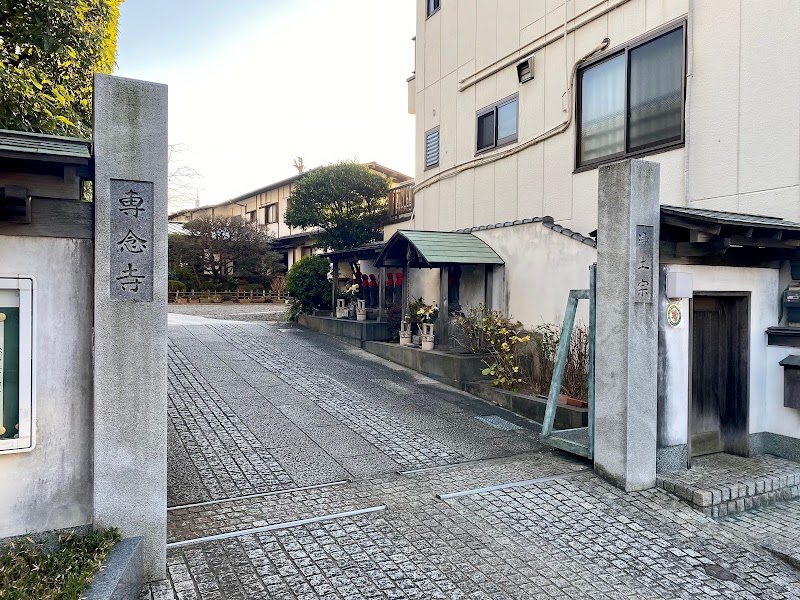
(232, 312)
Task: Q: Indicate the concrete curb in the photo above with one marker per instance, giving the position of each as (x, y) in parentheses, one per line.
(122, 576)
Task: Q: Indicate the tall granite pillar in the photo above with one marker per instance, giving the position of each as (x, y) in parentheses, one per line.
(130, 313)
(626, 371)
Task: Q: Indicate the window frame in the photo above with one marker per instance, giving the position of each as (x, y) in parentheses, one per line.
(266, 213)
(428, 12)
(26, 286)
(493, 108)
(625, 50)
(438, 148)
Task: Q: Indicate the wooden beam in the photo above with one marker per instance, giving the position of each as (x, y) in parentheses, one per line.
(55, 218)
(711, 228)
(716, 247)
(765, 242)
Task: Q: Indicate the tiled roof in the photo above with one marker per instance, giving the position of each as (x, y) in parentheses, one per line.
(546, 221)
(39, 144)
(727, 218)
(437, 248)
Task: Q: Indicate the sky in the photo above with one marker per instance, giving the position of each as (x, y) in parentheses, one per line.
(253, 84)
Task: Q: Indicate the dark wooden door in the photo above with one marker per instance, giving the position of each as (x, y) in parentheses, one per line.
(720, 334)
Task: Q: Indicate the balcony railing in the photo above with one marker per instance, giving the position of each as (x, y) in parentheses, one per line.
(401, 200)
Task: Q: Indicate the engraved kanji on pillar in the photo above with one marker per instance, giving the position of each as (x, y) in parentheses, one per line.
(132, 219)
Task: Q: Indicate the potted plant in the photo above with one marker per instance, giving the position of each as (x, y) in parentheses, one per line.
(427, 315)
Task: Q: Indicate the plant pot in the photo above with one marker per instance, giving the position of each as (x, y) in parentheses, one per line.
(194, 301)
(405, 338)
(570, 401)
(182, 301)
(245, 300)
(427, 342)
(361, 314)
(205, 300)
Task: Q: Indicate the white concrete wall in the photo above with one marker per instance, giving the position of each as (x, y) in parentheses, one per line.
(51, 486)
(541, 267)
(742, 110)
(767, 412)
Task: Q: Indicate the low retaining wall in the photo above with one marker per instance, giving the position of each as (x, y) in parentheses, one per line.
(122, 576)
(356, 333)
(532, 407)
(453, 369)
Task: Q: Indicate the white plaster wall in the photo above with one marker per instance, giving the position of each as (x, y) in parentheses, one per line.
(742, 110)
(51, 486)
(767, 412)
(541, 267)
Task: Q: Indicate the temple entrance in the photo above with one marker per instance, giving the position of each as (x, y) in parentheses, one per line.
(719, 394)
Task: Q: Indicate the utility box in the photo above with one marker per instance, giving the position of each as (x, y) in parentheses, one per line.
(679, 285)
(17, 393)
(791, 381)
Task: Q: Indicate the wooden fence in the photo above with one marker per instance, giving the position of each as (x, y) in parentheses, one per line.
(255, 297)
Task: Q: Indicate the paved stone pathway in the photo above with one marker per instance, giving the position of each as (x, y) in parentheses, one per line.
(276, 430)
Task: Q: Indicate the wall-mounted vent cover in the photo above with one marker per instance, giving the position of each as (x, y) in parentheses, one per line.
(525, 69)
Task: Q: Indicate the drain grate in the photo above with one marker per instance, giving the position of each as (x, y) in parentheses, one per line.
(498, 422)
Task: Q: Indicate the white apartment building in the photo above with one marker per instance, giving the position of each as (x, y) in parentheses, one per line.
(518, 105)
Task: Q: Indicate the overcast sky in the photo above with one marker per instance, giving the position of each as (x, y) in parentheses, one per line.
(255, 83)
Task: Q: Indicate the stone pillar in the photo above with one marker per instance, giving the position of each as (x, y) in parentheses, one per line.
(130, 313)
(626, 372)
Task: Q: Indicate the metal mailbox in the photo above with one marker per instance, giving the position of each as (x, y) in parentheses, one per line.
(791, 381)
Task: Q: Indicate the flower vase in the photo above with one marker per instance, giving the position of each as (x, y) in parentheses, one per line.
(341, 309)
(405, 334)
(361, 311)
(427, 342)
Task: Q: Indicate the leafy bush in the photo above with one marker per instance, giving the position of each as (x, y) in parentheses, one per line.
(27, 570)
(176, 286)
(307, 282)
(502, 336)
(576, 371)
(470, 325)
(252, 287)
(277, 287)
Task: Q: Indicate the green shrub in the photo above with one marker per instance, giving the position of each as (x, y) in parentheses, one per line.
(27, 570)
(501, 335)
(252, 287)
(307, 283)
(176, 286)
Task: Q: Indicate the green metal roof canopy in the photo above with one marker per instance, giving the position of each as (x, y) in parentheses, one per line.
(430, 249)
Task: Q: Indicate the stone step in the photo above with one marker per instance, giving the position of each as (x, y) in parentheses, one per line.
(722, 484)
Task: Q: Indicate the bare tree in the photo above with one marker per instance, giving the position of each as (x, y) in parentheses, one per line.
(183, 182)
(298, 164)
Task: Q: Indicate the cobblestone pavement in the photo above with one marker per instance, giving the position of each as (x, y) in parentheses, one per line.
(776, 528)
(309, 410)
(278, 397)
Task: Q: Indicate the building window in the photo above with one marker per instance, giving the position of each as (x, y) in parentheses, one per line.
(271, 213)
(432, 148)
(643, 81)
(251, 216)
(433, 6)
(497, 124)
